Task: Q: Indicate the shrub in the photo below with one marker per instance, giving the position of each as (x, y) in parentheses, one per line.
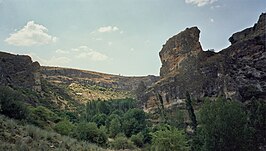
(138, 139)
(64, 127)
(12, 103)
(173, 139)
(90, 132)
(121, 142)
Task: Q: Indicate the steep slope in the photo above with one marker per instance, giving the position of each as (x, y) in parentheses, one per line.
(237, 72)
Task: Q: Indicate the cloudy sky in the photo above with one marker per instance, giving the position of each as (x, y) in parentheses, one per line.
(116, 36)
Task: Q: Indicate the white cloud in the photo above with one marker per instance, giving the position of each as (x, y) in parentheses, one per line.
(31, 34)
(216, 6)
(108, 29)
(212, 20)
(200, 3)
(97, 39)
(53, 61)
(60, 51)
(110, 43)
(86, 52)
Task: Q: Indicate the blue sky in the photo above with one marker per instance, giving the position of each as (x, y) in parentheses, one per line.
(116, 36)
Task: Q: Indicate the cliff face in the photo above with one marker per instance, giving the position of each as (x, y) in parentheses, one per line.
(19, 71)
(237, 72)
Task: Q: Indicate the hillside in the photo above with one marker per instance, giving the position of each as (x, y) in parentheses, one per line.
(87, 85)
(15, 135)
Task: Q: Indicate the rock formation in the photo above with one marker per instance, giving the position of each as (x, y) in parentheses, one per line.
(237, 72)
(19, 71)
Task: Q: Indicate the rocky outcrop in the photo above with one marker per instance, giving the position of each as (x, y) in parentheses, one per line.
(177, 49)
(19, 71)
(237, 72)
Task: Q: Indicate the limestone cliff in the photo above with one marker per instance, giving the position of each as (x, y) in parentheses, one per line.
(19, 71)
(237, 72)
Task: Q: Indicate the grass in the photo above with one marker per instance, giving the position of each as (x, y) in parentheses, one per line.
(15, 135)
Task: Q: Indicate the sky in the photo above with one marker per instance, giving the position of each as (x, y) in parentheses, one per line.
(116, 36)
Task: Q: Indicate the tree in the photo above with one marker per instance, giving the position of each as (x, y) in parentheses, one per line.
(191, 113)
(161, 108)
(90, 109)
(115, 127)
(99, 119)
(169, 140)
(223, 126)
(103, 107)
(257, 122)
(134, 121)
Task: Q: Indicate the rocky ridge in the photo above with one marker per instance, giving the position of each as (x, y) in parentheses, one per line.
(237, 72)
(117, 82)
(19, 71)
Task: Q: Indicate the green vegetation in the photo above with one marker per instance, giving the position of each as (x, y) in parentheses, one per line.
(138, 139)
(223, 126)
(15, 135)
(169, 139)
(190, 110)
(119, 123)
(11, 103)
(122, 142)
(64, 127)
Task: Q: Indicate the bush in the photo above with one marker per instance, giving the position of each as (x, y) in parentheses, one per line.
(12, 103)
(64, 127)
(90, 132)
(121, 142)
(138, 139)
(173, 139)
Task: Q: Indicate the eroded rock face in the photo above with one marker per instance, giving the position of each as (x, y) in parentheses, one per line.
(237, 72)
(185, 44)
(19, 71)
